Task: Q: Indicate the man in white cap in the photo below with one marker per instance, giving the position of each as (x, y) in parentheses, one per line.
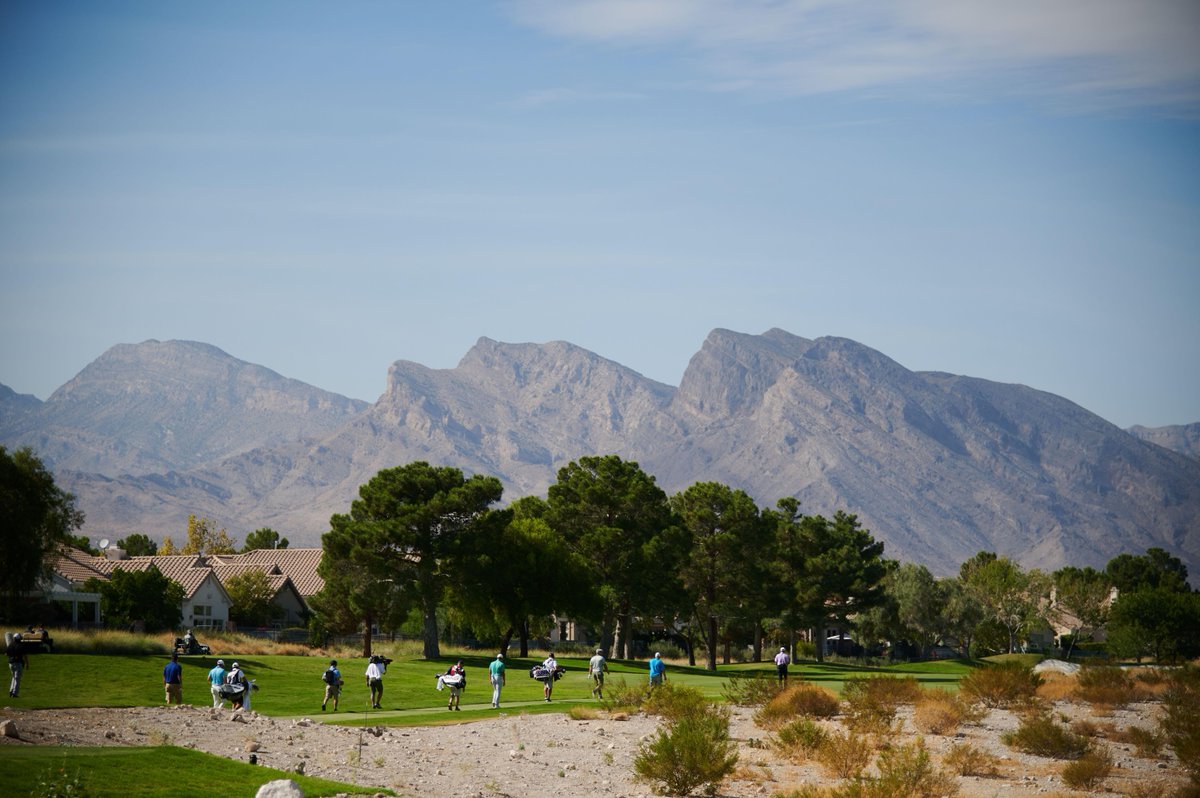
(496, 673)
(216, 678)
(236, 676)
(597, 667)
(781, 662)
(17, 660)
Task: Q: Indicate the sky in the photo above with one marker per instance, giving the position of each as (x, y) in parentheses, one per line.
(1007, 190)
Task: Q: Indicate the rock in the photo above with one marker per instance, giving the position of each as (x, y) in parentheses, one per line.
(282, 788)
(1056, 666)
(237, 717)
(9, 729)
(252, 746)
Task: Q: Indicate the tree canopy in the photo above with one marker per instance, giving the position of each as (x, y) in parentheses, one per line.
(264, 538)
(407, 526)
(37, 518)
(137, 545)
(128, 597)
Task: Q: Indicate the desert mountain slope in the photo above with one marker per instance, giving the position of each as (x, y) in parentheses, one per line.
(1182, 438)
(938, 466)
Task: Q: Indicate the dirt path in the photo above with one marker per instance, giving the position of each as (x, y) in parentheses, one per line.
(531, 756)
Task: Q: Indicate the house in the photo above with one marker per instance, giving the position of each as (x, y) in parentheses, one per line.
(205, 601)
(294, 609)
(298, 565)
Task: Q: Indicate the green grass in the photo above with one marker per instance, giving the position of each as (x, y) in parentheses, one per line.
(133, 772)
(292, 686)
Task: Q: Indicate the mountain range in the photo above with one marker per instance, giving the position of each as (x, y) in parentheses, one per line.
(936, 465)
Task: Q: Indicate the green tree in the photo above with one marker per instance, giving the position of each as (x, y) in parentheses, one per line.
(1158, 622)
(409, 525)
(83, 543)
(613, 514)
(264, 538)
(253, 598)
(495, 591)
(204, 538)
(834, 570)
(36, 521)
(1081, 602)
(1012, 597)
(138, 545)
(919, 604)
(356, 595)
(1154, 569)
(724, 534)
(962, 612)
(147, 596)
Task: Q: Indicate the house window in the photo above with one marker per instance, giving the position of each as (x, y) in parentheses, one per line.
(562, 631)
(202, 616)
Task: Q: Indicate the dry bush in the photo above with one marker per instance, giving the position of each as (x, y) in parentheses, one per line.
(871, 703)
(693, 751)
(906, 771)
(1087, 772)
(674, 701)
(940, 712)
(801, 700)
(1041, 735)
(1005, 685)
(1181, 721)
(583, 712)
(1106, 687)
(799, 739)
(967, 760)
(622, 697)
(1087, 728)
(844, 755)
(1056, 687)
(751, 689)
(1148, 742)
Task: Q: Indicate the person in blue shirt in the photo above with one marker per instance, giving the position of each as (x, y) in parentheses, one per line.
(216, 678)
(173, 680)
(658, 670)
(333, 685)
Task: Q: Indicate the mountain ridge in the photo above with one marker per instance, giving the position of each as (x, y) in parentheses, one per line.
(939, 466)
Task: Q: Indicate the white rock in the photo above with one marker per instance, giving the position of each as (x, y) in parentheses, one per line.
(9, 729)
(1056, 666)
(282, 788)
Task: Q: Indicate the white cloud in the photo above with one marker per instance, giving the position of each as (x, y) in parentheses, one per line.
(1109, 52)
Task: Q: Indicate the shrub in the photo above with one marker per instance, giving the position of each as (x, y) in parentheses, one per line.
(939, 712)
(1105, 686)
(1002, 685)
(967, 760)
(844, 755)
(799, 739)
(620, 696)
(750, 689)
(871, 703)
(673, 701)
(1040, 735)
(692, 752)
(1087, 772)
(806, 700)
(1148, 742)
(1181, 721)
(906, 771)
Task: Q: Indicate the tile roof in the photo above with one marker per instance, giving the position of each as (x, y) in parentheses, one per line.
(300, 565)
(76, 565)
(189, 570)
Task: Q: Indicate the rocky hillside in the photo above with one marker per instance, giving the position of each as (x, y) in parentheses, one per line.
(1182, 438)
(937, 465)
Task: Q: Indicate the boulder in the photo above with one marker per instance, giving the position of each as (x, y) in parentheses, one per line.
(1056, 666)
(281, 788)
(9, 728)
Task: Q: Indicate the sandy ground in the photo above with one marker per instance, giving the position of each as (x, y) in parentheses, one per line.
(529, 756)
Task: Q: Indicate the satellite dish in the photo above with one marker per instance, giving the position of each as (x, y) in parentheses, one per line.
(103, 543)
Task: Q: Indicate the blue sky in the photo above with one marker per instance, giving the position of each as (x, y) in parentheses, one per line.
(1005, 190)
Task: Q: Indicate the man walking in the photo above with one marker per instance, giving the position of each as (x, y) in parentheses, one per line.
(333, 685)
(216, 678)
(781, 664)
(597, 667)
(375, 671)
(18, 661)
(496, 673)
(658, 670)
(173, 680)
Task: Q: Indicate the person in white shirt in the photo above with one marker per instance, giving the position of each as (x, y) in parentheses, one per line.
(375, 671)
(597, 667)
(781, 662)
(551, 666)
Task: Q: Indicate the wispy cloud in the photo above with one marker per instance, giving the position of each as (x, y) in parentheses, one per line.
(1093, 52)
